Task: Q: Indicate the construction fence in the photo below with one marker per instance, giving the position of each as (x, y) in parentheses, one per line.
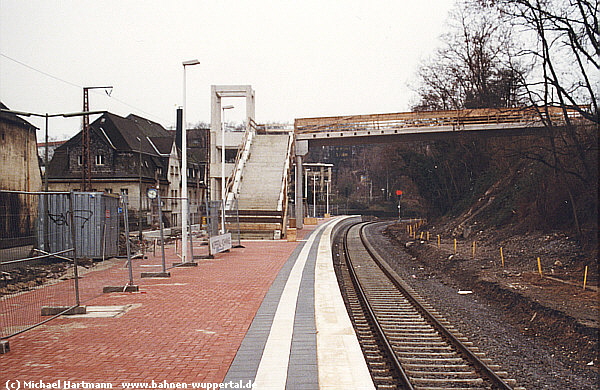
(59, 250)
(53, 247)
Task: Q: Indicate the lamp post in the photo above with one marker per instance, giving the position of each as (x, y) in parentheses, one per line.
(86, 179)
(184, 191)
(223, 189)
(140, 234)
(314, 196)
(328, 181)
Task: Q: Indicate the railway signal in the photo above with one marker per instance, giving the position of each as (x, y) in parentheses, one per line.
(399, 195)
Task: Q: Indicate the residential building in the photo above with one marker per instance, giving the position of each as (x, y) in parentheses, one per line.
(41, 148)
(129, 156)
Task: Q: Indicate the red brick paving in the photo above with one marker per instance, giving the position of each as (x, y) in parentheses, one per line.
(186, 328)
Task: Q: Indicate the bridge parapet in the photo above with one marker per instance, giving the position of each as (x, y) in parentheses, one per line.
(451, 120)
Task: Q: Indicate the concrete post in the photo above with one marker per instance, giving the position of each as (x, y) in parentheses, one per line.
(215, 128)
(250, 106)
(301, 150)
(299, 195)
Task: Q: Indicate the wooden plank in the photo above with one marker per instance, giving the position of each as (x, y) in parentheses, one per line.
(256, 226)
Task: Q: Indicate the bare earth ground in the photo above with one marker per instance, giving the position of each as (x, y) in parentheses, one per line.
(551, 316)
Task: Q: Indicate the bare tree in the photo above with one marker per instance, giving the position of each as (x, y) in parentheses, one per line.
(469, 70)
(561, 45)
(564, 50)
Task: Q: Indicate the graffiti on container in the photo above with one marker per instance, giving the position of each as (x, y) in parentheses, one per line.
(63, 218)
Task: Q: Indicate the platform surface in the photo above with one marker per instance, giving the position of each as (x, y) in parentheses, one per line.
(268, 315)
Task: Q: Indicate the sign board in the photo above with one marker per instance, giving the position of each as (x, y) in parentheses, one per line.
(301, 147)
(220, 243)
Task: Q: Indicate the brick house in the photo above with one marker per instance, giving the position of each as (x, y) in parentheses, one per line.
(129, 156)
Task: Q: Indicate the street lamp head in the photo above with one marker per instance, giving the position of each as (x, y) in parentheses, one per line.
(72, 114)
(21, 113)
(190, 62)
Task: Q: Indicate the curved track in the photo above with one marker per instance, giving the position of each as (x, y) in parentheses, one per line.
(407, 344)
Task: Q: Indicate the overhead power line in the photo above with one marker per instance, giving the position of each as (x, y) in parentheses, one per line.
(81, 87)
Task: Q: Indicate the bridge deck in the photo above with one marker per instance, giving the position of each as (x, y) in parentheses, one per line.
(430, 122)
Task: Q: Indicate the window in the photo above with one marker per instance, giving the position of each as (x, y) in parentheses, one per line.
(230, 155)
(108, 190)
(99, 159)
(124, 191)
(80, 159)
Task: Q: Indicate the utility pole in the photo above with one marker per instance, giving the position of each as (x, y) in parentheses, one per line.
(86, 164)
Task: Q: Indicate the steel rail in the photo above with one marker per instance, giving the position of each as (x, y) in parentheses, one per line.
(481, 367)
(362, 296)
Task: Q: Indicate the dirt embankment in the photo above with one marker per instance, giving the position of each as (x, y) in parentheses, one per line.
(553, 306)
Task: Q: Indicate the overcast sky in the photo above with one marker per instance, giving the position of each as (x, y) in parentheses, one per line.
(303, 58)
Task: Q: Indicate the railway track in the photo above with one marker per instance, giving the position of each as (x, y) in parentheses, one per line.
(407, 344)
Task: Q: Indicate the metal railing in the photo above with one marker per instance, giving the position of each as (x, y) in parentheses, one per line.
(452, 118)
(234, 180)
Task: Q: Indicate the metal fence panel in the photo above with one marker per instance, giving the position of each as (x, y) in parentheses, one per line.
(37, 249)
(213, 217)
(30, 275)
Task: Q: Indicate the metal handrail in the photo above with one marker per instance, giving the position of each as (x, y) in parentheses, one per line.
(286, 168)
(241, 157)
(455, 118)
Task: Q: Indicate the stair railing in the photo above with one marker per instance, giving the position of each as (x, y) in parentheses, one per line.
(234, 180)
(282, 202)
(284, 179)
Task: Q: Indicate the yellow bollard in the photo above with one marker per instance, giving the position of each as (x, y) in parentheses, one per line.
(585, 276)
(455, 246)
(427, 236)
(421, 236)
(502, 257)
(474, 246)
(539, 261)
(439, 241)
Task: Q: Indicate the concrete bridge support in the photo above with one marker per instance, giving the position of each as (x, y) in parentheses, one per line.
(301, 151)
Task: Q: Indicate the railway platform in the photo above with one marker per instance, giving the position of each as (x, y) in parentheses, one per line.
(269, 314)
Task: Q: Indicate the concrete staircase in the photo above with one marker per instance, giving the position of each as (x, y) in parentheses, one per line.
(261, 208)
